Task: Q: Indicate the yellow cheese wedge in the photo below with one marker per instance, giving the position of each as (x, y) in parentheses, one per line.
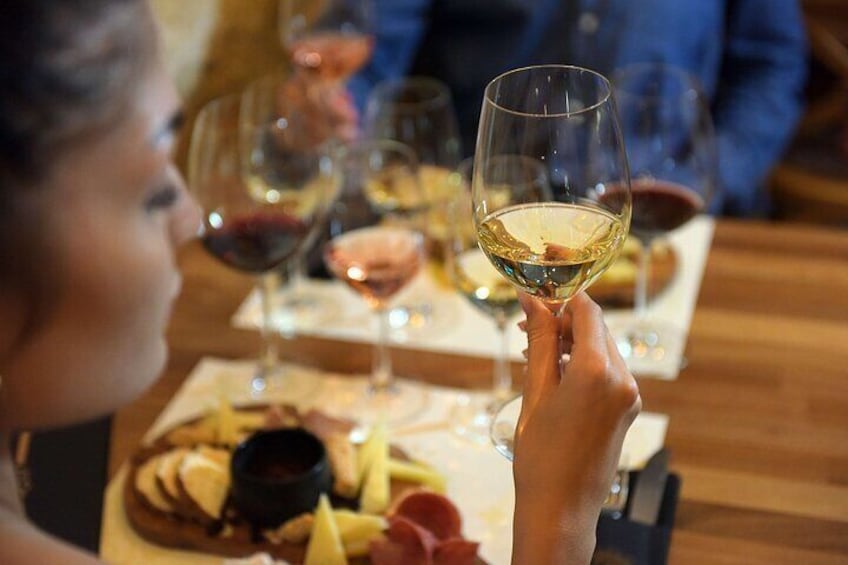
(374, 498)
(417, 473)
(325, 544)
(227, 430)
(376, 442)
(357, 530)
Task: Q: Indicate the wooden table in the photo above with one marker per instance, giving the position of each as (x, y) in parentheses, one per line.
(758, 420)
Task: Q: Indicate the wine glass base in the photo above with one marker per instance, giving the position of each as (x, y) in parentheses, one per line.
(471, 416)
(649, 345)
(282, 384)
(296, 310)
(394, 407)
(502, 432)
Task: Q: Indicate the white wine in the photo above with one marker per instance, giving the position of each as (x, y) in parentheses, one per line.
(483, 285)
(551, 250)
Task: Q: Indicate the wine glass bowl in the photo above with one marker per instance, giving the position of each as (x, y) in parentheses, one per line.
(673, 160)
(551, 243)
(328, 40)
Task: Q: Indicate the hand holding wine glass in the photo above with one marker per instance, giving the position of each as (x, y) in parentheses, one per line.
(551, 245)
(671, 148)
(260, 196)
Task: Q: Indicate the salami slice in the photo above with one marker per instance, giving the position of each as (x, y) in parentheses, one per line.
(456, 551)
(431, 511)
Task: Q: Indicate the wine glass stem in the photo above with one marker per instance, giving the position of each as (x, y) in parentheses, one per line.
(640, 299)
(268, 351)
(381, 375)
(502, 385)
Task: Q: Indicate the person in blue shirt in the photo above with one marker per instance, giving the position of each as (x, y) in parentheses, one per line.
(750, 56)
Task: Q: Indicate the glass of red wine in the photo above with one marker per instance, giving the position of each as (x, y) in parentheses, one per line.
(261, 190)
(671, 148)
(378, 260)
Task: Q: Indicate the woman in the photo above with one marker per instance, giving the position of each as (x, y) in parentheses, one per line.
(92, 211)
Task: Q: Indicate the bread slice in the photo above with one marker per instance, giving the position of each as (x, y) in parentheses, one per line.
(148, 488)
(204, 484)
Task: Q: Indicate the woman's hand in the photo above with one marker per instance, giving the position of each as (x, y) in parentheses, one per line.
(573, 420)
(327, 107)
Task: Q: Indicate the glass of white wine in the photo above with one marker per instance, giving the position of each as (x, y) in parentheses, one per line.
(551, 244)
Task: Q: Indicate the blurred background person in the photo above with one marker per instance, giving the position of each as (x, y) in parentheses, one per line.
(750, 56)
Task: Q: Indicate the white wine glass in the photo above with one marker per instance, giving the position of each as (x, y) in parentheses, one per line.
(260, 195)
(419, 112)
(551, 245)
(378, 261)
(474, 277)
(671, 147)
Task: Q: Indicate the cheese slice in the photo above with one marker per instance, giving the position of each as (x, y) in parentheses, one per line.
(325, 544)
(374, 498)
(417, 473)
(357, 530)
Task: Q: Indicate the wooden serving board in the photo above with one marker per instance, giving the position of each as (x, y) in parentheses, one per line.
(232, 536)
(616, 288)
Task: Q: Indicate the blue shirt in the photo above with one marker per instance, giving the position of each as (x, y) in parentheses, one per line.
(750, 56)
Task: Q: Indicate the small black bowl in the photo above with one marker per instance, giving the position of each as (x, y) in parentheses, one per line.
(278, 474)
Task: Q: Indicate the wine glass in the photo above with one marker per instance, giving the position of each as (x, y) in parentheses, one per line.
(266, 99)
(419, 112)
(261, 191)
(377, 261)
(328, 40)
(553, 244)
(520, 178)
(672, 153)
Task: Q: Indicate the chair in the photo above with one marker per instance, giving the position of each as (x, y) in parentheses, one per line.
(810, 184)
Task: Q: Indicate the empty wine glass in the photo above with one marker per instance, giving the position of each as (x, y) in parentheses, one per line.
(671, 148)
(552, 244)
(261, 191)
(419, 112)
(378, 261)
(482, 285)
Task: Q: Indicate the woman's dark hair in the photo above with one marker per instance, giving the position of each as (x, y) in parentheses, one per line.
(67, 70)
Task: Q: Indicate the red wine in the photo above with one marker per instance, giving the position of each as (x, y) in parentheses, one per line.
(256, 242)
(659, 206)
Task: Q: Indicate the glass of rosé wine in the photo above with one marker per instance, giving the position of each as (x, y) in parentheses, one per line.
(328, 40)
(550, 244)
(377, 261)
(261, 190)
(671, 148)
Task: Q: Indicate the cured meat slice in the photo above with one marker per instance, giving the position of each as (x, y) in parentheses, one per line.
(325, 426)
(456, 551)
(431, 511)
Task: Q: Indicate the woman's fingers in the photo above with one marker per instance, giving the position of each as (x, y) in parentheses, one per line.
(543, 343)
